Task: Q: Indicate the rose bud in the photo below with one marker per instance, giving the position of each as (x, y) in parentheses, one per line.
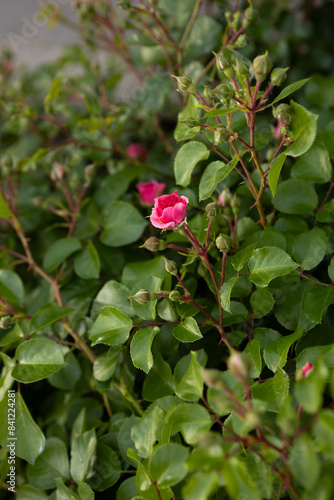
(223, 243)
(307, 368)
(153, 244)
(278, 75)
(170, 266)
(262, 66)
(136, 152)
(185, 84)
(174, 296)
(148, 191)
(169, 211)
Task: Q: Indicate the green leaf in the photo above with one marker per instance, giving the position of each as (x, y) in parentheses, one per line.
(275, 354)
(304, 462)
(127, 490)
(192, 420)
(196, 46)
(273, 391)
(239, 484)
(160, 381)
(187, 331)
(295, 197)
(106, 469)
(113, 294)
(186, 159)
(253, 351)
(87, 263)
(52, 463)
(82, 450)
(136, 271)
(262, 302)
(26, 492)
(38, 358)
(112, 327)
(316, 301)
(220, 112)
(140, 348)
(145, 433)
(167, 465)
(238, 314)
(272, 237)
(289, 308)
(289, 89)
(240, 258)
(274, 172)
(330, 270)
(11, 336)
(214, 173)
(303, 129)
(225, 293)
(67, 377)
(146, 311)
(200, 486)
(190, 387)
(11, 286)
(182, 131)
(268, 263)
(327, 212)
(105, 364)
(59, 251)
(4, 209)
(47, 315)
(314, 166)
(309, 248)
(30, 440)
(63, 492)
(122, 223)
(85, 492)
(323, 431)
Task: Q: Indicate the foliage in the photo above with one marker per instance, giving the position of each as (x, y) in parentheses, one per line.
(204, 369)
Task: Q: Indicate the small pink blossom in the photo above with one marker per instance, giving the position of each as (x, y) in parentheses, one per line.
(136, 151)
(169, 211)
(306, 369)
(148, 191)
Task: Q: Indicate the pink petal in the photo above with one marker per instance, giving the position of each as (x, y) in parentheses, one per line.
(167, 215)
(179, 212)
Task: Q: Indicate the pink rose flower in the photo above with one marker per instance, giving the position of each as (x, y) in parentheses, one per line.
(148, 191)
(306, 369)
(169, 211)
(136, 151)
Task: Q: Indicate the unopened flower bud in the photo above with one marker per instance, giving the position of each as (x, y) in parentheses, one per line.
(185, 84)
(236, 20)
(278, 75)
(142, 296)
(170, 266)
(236, 205)
(220, 135)
(225, 198)
(283, 113)
(224, 64)
(57, 172)
(307, 368)
(223, 243)
(207, 93)
(6, 322)
(228, 16)
(174, 296)
(153, 244)
(250, 14)
(223, 91)
(241, 68)
(262, 66)
(239, 365)
(89, 172)
(211, 210)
